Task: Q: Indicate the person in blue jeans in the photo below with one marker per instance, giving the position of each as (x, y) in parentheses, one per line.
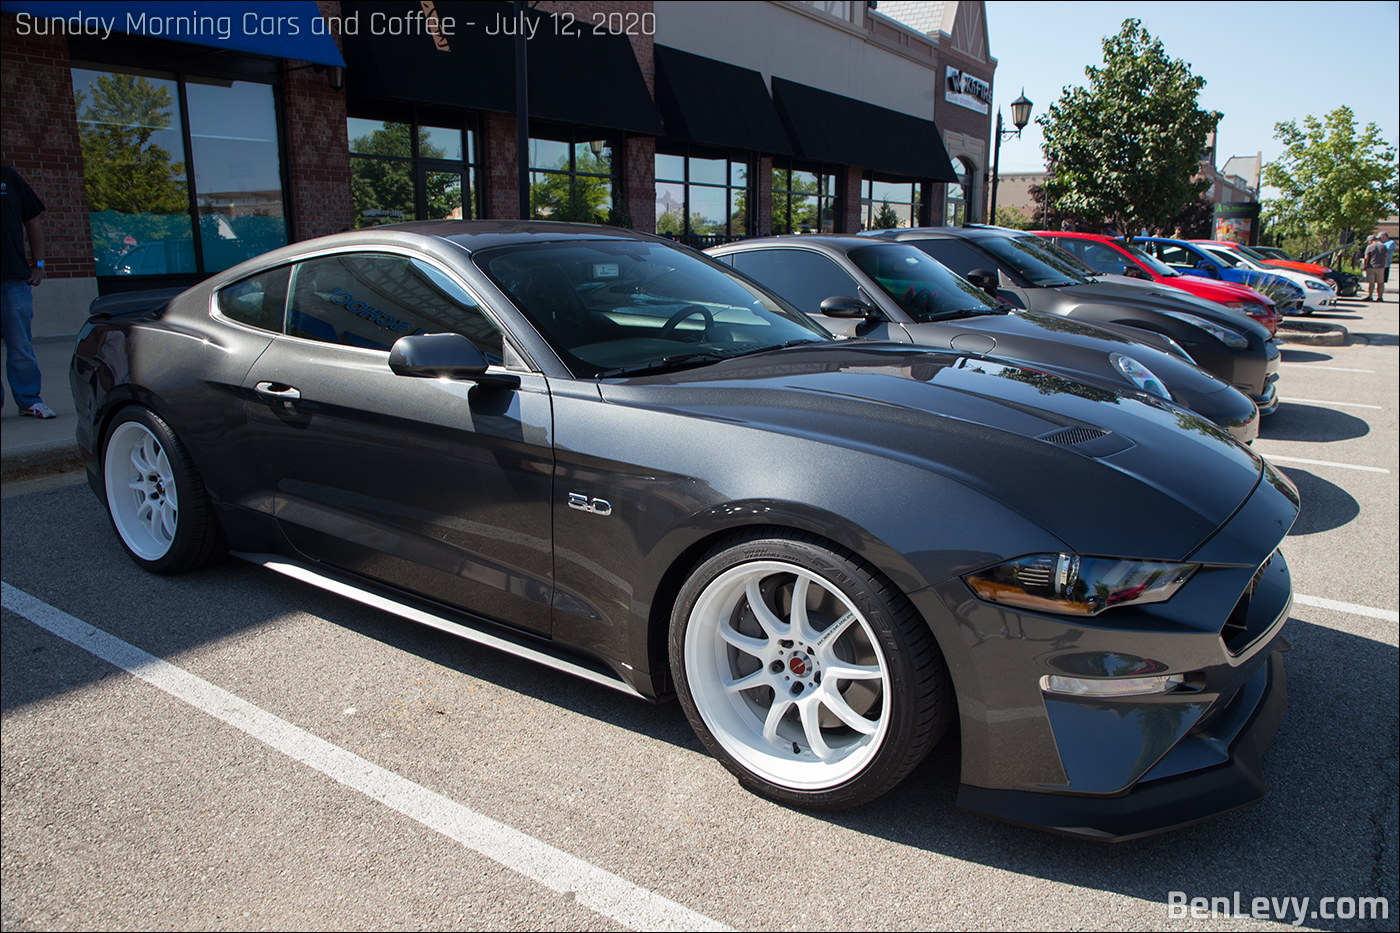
(20, 208)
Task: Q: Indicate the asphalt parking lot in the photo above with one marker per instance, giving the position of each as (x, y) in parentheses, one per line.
(232, 749)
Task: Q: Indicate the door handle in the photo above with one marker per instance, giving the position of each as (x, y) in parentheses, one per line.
(276, 390)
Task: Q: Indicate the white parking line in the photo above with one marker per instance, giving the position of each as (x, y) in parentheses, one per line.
(1330, 369)
(1275, 458)
(1313, 401)
(599, 890)
(1388, 615)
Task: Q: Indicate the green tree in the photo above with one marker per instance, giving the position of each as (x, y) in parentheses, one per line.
(1126, 148)
(585, 197)
(1332, 180)
(1013, 217)
(795, 207)
(383, 189)
(886, 218)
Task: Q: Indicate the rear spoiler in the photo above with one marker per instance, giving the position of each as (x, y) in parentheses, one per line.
(130, 304)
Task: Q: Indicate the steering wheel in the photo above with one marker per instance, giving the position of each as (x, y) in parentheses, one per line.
(923, 302)
(688, 311)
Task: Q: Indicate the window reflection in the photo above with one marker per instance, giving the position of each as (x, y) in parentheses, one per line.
(134, 172)
(701, 200)
(572, 181)
(238, 171)
(400, 172)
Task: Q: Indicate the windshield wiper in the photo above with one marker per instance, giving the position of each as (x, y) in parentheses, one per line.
(782, 346)
(679, 361)
(973, 312)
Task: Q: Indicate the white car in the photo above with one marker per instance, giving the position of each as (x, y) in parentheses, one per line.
(1318, 294)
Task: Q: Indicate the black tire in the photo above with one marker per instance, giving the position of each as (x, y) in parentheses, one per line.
(834, 742)
(155, 497)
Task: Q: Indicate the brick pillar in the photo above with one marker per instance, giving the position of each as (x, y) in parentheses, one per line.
(763, 210)
(318, 154)
(848, 218)
(639, 183)
(500, 189)
(39, 139)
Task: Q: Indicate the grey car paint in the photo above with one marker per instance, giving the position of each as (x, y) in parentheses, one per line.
(1253, 369)
(1078, 350)
(455, 502)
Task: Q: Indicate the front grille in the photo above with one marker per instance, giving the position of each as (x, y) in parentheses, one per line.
(1071, 436)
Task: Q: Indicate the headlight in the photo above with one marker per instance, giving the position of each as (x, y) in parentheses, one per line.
(1071, 584)
(1316, 285)
(1140, 376)
(1226, 336)
(1248, 307)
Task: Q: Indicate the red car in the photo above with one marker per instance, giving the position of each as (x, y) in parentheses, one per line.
(1115, 257)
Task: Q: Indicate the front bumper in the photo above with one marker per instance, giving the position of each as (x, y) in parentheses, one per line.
(1200, 791)
(1116, 767)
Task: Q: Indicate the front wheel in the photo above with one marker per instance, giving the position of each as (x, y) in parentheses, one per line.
(155, 497)
(808, 675)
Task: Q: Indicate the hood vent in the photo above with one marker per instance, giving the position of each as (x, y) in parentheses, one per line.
(1071, 436)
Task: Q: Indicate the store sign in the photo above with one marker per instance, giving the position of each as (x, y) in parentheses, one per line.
(967, 91)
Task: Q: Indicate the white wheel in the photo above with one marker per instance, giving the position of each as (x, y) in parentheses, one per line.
(141, 491)
(811, 678)
(155, 498)
(787, 675)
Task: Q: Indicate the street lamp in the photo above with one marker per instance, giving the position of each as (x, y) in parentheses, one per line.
(1020, 115)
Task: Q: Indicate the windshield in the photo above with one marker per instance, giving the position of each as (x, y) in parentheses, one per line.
(1036, 265)
(1231, 257)
(923, 287)
(609, 305)
(1151, 262)
(1056, 253)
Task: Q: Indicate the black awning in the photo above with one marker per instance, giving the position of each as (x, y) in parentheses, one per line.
(713, 102)
(576, 77)
(831, 128)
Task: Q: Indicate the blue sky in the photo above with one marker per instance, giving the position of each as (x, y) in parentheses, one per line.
(1264, 63)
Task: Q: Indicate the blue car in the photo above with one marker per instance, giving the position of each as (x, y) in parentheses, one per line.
(1190, 259)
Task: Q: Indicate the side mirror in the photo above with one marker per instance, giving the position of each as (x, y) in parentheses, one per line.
(846, 306)
(1134, 272)
(985, 279)
(450, 356)
(1208, 269)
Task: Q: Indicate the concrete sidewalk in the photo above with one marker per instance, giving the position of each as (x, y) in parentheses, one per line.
(32, 447)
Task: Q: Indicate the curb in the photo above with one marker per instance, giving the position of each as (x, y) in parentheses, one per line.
(40, 460)
(1317, 335)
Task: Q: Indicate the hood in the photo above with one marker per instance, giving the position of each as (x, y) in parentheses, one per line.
(1117, 289)
(1220, 292)
(1107, 473)
(1068, 345)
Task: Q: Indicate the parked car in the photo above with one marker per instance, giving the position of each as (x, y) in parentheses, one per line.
(1110, 255)
(893, 291)
(1319, 294)
(1190, 258)
(611, 454)
(1344, 282)
(1229, 344)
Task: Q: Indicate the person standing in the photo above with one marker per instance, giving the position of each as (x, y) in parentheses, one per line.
(20, 208)
(1375, 261)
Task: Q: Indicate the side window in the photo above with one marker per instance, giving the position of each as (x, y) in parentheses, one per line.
(1178, 256)
(258, 301)
(956, 255)
(1103, 258)
(372, 299)
(802, 277)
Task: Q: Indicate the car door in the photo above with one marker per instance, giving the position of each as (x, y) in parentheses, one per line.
(438, 486)
(806, 278)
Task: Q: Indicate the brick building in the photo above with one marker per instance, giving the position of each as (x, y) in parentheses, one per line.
(170, 147)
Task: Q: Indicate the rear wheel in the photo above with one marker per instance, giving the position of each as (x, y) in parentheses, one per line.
(155, 497)
(808, 675)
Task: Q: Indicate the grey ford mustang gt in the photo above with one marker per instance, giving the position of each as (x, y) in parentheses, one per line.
(607, 453)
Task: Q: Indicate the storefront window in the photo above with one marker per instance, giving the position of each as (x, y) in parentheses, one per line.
(701, 199)
(408, 171)
(139, 160)
(803, 201)
(885, 205)
(958, 199)
(573, 181)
